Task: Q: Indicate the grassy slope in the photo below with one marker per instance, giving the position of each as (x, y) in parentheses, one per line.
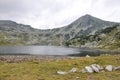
(46, 70)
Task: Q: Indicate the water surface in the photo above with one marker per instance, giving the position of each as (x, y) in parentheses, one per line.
(52, 50)
(38, 50)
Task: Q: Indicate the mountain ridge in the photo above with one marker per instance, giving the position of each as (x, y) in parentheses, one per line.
(85, 25)
(13, 33)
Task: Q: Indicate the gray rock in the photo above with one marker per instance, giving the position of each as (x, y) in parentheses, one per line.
(73, 70)
(109, 68)
(61, 72)
(77, 77)
(89, 69)
(87, 56)
(117, 68)
(99, 67)
(95, 68)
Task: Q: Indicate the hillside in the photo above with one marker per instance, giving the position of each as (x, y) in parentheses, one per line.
(12, 33)
(108, 38)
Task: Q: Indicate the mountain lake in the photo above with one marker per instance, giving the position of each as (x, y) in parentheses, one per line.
(48, 50)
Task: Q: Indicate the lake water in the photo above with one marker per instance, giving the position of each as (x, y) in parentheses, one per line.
(50, 50)
(38, 50)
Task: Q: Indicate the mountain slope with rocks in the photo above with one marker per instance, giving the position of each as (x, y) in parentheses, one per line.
(85, 25)
(12, 33)
(108, 38)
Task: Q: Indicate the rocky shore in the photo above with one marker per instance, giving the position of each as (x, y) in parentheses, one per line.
(21, 58)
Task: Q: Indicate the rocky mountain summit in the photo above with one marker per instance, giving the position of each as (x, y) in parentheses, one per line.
(74, 34)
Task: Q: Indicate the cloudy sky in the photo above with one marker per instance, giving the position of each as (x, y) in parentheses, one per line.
(44, 14)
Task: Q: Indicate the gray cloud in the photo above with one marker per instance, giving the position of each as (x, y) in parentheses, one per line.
(56, 13)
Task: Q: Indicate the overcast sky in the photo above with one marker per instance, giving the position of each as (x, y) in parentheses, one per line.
(44, 14)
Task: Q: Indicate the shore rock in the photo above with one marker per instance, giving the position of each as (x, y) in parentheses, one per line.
(87, 56)
(95, 68)
(110, 68)
(61, 72)
(117, 68)
(92, 68)
(73, 70)
(89, 69)
(99, 67)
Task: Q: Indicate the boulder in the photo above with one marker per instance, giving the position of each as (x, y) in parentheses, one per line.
(77, 78)
(95, 68)
(61, 72)
(89, 69)
(110, 68)
(117, 68)
(99, 67)
(87, 56)
(73, 70)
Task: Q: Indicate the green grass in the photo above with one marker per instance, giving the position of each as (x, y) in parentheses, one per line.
(46, 69)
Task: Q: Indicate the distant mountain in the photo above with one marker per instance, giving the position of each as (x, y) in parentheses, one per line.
(12, 33)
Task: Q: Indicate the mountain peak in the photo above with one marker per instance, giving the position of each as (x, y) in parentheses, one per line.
(87, 15)
(86, 20)
(89, 24)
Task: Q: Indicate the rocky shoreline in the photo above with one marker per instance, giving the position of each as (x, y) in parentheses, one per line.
(22, 58)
